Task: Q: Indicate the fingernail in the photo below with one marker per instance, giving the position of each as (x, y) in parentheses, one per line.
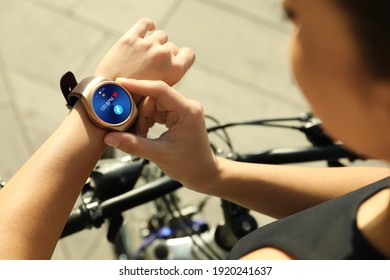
(112, 141)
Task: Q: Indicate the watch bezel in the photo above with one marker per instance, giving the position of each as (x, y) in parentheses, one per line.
(87, 99)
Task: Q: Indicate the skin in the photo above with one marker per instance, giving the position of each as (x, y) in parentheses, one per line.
(34, 206)
(352, 103)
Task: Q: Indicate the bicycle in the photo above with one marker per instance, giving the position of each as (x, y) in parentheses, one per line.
(173, 231)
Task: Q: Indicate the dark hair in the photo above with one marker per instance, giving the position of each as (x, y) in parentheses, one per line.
(371, 24)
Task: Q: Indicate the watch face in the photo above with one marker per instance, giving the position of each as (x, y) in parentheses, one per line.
(111, 103)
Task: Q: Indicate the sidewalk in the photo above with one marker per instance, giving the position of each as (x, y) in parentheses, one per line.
(241, 72)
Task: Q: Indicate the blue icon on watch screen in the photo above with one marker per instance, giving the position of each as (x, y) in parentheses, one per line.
(118, 109)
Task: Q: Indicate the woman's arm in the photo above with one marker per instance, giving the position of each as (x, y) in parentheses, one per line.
(36, 202)
(183, 152)
(281, 190)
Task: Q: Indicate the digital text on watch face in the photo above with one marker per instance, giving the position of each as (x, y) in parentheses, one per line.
(111, 104)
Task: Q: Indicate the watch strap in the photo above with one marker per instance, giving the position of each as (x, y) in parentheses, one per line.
(67, 83)
(72, 90)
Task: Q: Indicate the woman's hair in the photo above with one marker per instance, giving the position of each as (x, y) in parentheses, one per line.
(371, 26)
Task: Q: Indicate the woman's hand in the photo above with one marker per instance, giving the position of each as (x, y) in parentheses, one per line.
(152, 57)
(183, 151)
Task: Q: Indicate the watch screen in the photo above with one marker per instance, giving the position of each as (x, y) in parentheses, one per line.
(111, 104)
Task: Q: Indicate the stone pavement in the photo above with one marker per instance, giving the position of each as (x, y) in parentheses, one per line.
(241, 72)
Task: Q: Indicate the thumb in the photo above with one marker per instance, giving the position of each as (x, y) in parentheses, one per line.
(132, 144)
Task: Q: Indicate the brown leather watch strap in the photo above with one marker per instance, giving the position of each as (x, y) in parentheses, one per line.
(67, 83)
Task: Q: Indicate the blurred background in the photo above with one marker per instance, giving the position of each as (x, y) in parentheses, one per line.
(241, 72)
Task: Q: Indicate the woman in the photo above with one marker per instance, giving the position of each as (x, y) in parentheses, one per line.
(340, 58)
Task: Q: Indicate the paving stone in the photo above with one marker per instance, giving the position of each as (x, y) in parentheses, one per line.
(41, 105)
(240, 49)
(43, 43)
(119, 15)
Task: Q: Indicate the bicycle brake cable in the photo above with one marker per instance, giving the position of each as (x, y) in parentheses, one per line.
(189, 230)
(264, 122)
(188, 221)
(225, 137)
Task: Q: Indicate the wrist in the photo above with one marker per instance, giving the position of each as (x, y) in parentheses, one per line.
(209, 179)
(83, 125)
(106, 74)
(111, 74)
(217, 177)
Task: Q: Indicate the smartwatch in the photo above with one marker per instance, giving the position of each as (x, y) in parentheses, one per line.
(108, 104)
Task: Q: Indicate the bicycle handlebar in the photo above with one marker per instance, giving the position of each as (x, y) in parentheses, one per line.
(79, 219)
(94, 213)
(298, 155)
(139, 196)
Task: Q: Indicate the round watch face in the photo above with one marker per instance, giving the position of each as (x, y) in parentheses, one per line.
(111, 103)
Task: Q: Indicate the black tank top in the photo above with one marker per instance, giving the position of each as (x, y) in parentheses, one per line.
(327, 231)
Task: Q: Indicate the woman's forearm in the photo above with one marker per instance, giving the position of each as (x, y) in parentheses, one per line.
(36, 202)
(279, 191)
(183, 153)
